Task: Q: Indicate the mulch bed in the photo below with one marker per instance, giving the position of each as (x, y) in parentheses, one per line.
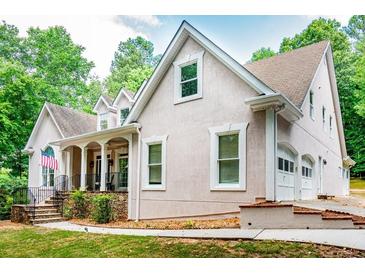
(166, 224)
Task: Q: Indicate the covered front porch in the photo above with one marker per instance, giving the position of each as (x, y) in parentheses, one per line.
(99, 161)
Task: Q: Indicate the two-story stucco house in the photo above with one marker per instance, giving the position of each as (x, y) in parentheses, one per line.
(205, 134)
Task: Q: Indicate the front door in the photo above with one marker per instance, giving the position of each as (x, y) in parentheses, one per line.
(123, 172)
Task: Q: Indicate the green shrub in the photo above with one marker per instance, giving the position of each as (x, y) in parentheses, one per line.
(102, 208)
(67, 211)
(8, 187)
(80, 204)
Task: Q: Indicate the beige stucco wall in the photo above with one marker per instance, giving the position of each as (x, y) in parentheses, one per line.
(188, 145)
(308, 137)
(46, 133)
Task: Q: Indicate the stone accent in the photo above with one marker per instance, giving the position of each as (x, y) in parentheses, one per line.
(19, 214)
(119, 204)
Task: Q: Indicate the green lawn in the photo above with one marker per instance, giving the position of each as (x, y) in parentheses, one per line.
(357, 183)
(38, 242)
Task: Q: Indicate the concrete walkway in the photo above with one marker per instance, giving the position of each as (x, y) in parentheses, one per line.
(351, 238)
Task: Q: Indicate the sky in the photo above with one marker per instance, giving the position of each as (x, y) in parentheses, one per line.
(239, 36)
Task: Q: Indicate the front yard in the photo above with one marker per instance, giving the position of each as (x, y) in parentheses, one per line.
(29, 242)
(357, 183)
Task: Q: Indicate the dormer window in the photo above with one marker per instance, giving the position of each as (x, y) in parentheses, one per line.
(103, 124)
(123, 115)
(188, 78)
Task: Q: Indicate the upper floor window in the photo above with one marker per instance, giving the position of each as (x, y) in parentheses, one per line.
(123, 115)
(331, 126)
(188, 78)
(324, 118)
(103, 121)
(311, 105)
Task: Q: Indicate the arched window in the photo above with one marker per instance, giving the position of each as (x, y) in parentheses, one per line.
(47, 172)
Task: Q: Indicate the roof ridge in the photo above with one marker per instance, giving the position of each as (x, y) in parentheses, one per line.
(70, 108)
(287, 52)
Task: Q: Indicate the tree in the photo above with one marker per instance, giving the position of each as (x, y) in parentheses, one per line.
(56, 59)
(262, 53)
(46, 65)
(18, 112)
(133, 63)
(356, 27)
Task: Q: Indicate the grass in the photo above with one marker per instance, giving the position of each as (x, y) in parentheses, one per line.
(31, 242)
(357, 183)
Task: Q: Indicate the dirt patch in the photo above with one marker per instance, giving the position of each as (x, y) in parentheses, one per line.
(9, 225)
(166, 224)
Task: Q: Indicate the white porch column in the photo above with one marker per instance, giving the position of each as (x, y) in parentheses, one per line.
(104, 162)
(270, 154)
(61, 163)
(83, 168)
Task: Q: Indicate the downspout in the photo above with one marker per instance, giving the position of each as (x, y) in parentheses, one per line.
(138, 175)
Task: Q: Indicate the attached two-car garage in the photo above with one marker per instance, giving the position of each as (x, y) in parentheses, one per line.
(287, 176)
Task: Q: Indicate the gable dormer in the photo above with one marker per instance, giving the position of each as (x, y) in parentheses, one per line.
(106, 113)
(123, 103)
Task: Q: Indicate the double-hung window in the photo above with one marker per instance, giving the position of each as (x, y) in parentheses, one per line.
(228, 157)
(154, 163)
(311, 104)
(123, 115)
(331, 126)
(188, 78)
(324, 118)
(103, 121)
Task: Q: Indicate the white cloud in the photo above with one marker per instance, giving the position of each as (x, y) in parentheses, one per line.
(343, 19)
(149, 20)
(99, 34)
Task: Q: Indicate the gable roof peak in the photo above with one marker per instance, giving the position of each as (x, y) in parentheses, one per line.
(291, 73)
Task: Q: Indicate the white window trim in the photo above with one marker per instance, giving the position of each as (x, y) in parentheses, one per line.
(190, 59)
(227, 129)
(119, 113)
(330, 124)
(107, 119)
(145, 171)
(324, 114)
(311, 105)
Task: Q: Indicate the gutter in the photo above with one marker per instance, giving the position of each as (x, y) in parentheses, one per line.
(138, 176)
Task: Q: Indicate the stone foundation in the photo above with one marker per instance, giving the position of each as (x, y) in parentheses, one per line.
(119, 204)
(19, 214)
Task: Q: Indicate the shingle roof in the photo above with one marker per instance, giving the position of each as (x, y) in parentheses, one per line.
(130, 93)
(290, 73)
(108, 99)
(72, 122)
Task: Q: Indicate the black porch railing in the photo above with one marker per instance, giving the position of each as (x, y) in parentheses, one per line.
(33, 196)
(92, 182)
(75, 181)
(116, 181)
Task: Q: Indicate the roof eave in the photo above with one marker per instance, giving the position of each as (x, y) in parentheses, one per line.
(290, 112)
(97, 133)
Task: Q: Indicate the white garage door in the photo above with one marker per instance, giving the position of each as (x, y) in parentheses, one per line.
(285, 178)
(307, 180)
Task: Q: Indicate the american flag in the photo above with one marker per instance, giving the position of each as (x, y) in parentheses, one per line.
(49, 161)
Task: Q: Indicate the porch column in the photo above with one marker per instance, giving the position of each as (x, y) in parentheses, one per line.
(270, 154)
(83, 168)
(103, 169)
(61, 164)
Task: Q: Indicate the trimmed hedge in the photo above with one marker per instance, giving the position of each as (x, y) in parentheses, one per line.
(102, 208)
